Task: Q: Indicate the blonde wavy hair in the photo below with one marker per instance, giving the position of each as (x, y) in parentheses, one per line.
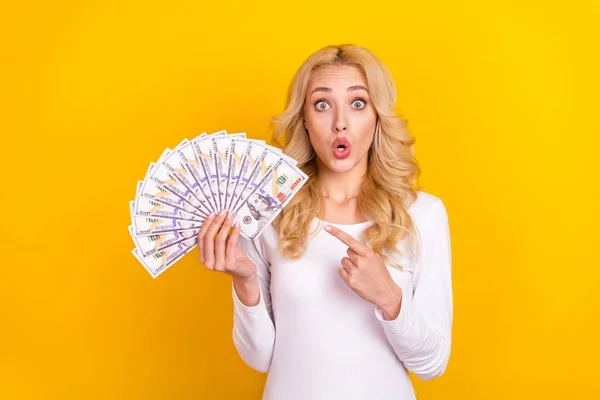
(392, 172)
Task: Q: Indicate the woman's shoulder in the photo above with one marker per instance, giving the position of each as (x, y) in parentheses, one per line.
(423, 206)
(421, 209)
(428, 214)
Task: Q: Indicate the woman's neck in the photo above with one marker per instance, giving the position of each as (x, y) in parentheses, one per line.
(339, 187)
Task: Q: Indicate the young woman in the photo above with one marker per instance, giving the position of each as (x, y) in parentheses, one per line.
(349, 288)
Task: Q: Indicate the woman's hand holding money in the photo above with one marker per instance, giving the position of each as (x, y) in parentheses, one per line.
(219, 252)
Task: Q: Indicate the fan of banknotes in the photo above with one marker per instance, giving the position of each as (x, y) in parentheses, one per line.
(210, 173)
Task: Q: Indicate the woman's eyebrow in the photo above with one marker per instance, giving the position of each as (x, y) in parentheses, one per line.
(321, 89)
(357, 87)
(350, 89)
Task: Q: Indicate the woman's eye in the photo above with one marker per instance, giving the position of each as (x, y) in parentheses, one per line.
(358, 104)
(321, 105)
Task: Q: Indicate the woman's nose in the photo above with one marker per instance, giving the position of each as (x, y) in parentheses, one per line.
(339, 124)
(340, 127)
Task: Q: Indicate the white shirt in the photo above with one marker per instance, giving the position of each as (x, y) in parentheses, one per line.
(318, 339)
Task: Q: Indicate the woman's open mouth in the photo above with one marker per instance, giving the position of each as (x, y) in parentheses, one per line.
(341, 148)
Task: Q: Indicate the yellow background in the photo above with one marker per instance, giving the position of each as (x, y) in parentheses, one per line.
(501, 95)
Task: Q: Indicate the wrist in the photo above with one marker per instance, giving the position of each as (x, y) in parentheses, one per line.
(247, 290)
(244, 281)
(392, 303)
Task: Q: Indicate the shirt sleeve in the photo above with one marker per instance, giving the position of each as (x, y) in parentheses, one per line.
(421, 334)
(253, 326)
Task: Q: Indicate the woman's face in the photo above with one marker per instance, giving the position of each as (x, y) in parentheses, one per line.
(339, 117)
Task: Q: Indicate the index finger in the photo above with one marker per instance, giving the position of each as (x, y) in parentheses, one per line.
(200, 238)
(354, 244)
(233, 240)
(205, 225)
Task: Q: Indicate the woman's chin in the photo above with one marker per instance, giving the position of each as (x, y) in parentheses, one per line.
(339, 166)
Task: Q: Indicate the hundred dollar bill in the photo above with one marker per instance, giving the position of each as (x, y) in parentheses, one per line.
(259, 160)
(203, 134)
(289, 159)
(163, 175)
(158, 263)
(162, 157)
(152, 244)
(243, 154)
(204, 155)
(269, 197)
(145, 226)
(159, 194)
(192, 164)
(221, 152)
(145, 207)
(250, 158)
(178, 168)
(276, 150)
(237, 152)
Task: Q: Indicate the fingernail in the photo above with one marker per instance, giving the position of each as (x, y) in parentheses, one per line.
(327, 228)
(237, 225)
(212, 214)
(222, 213)
(229, 215)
